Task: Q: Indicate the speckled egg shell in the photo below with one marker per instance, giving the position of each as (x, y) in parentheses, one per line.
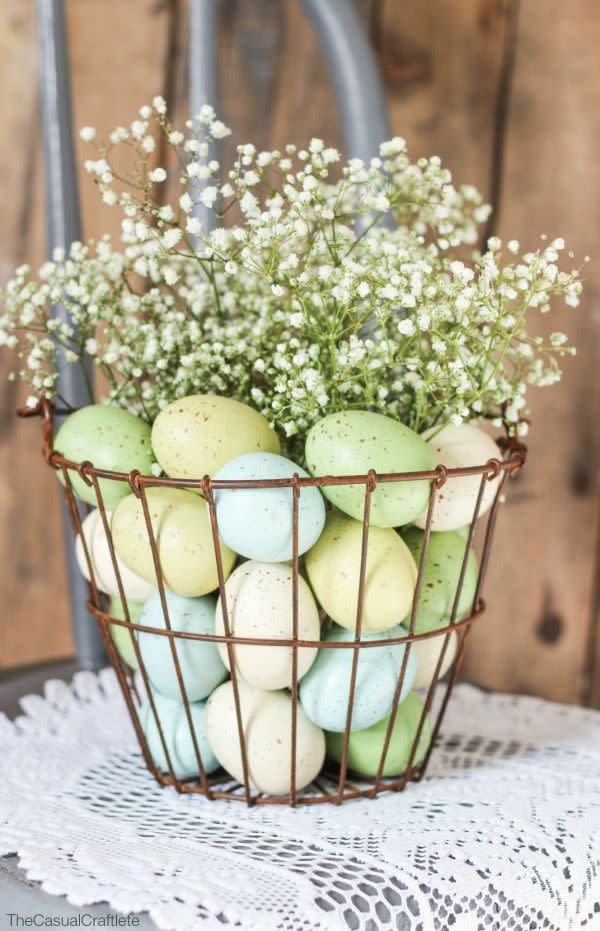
(441, 574)
(197, 435)
(258, 522)
(259, 604)
(333, 567)
(352, 443)
(427, 653)
(110, 438)
(135, 588)
(121, 636)
(267, 729)
(456, 447)
(201, 666)
(177, 736)
(181, 526)
(365, 747)
(325, 689)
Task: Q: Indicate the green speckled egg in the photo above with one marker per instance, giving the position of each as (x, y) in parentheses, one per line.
(197, 435)
(110, 438)
(181, 526)
(365, 747)
(352, 443)
(445, 554)
(333, 567)
(121, 636)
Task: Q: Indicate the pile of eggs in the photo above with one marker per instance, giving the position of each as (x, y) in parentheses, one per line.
(229, 441)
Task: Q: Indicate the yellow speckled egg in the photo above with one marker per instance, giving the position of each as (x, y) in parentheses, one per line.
(456, 447)
(333, 567)
(110, 438)
(134, 587)
(181, 526)
(267, 729)
(197, 435)
(259, 604)
(352, 443)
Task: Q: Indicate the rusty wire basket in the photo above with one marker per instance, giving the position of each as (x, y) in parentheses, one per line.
(335, 782)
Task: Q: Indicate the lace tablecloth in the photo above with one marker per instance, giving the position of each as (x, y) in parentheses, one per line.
(503, 833)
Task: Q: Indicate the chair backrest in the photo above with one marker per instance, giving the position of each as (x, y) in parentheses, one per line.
(364, 119)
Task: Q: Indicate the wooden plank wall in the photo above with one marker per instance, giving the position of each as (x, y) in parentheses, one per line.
(510, 98)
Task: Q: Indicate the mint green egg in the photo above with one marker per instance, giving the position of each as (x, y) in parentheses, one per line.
(177, 736)
(121, 636)
(110, 438)
(352, 443)
(441, 574)
(365, 747)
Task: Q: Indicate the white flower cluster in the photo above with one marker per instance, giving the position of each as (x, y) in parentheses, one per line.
(365, 291)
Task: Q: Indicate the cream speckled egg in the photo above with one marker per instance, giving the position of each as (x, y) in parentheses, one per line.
(267, 729)
(333, 567)
(325, 689)
(456, 447)
(181, 526)
(135, 588)
(197, 435)
(259, 604)
(177, 736)
(109, 437)
(352, 443)
(427, 653)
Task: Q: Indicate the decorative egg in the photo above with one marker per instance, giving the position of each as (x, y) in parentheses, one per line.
(258, 522)
(267, 729)
(121, 636)
(441, 575)
(427, 652)
(197, 435)
(110, 438)
(365, 747)
(456, 447)
(135, 588)
(325, 689)
(352, 443)
(259, 604)
(333, 567)
(177, 736)
(181, 526)
(199, 661)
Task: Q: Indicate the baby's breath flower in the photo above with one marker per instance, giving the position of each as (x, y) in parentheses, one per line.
(157, 174)
(309, 304)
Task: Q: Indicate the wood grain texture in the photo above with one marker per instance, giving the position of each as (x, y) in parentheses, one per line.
(442, 64)
(540, 588)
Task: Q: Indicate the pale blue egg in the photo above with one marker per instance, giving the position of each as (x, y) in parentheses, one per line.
(201, 666)
(325, 689)
(258, 522)
(178, 739)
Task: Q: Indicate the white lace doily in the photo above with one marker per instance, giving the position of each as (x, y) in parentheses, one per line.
(504, 833)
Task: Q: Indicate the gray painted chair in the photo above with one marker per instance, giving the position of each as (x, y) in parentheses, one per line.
(360, 100)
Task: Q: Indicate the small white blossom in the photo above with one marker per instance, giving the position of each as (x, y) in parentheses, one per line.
(87, 133)
(157, 174)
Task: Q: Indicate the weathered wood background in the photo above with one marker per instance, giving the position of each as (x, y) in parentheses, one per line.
(510, 98)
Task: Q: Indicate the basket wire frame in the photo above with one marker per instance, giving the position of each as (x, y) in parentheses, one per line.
(333, 785)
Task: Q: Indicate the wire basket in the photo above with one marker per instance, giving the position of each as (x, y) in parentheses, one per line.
(336, 781)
